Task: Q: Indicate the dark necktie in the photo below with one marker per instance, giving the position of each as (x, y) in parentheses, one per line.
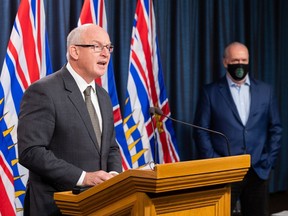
(93, 114)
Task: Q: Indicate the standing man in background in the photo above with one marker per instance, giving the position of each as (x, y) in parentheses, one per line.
(66, 131)
(245, 110)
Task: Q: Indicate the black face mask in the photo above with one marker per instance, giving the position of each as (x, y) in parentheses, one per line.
(238, 71)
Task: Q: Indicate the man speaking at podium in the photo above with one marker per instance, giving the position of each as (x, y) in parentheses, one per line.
(66, 131)
(245, 110)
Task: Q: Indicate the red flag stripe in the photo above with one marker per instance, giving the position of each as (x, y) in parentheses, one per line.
(117, 115)
(19, 70)
(39, 42)
(101, 5)
(6, 170)
(28, 41)
(6, 207)
(86, 16)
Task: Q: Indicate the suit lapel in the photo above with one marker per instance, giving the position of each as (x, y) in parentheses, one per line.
(77, 100)
(255, 95)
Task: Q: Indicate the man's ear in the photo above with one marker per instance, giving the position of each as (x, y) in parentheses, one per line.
(224, 62)
(73, 51)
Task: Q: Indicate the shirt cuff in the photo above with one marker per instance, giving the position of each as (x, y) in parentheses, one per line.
(113, 173)
(81, 179)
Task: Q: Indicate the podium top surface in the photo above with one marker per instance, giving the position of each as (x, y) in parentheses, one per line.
(169, 177)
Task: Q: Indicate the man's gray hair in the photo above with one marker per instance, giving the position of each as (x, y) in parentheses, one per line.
(75, 36)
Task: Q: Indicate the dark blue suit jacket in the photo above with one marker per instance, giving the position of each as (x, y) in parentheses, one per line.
(261, 135)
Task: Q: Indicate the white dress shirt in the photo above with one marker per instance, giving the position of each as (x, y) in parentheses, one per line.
(242, 98)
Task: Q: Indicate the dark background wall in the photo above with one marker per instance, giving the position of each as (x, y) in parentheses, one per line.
(192, 35)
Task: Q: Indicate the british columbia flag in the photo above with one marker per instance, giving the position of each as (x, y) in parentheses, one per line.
(146, 89)
(27, 60)
(93, 11)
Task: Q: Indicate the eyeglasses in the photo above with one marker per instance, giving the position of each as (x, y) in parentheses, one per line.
(97, 47)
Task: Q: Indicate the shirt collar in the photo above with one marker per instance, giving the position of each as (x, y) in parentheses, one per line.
(231, 83)
(81, 83)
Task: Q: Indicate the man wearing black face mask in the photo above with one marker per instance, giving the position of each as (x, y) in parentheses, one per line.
(245, 110)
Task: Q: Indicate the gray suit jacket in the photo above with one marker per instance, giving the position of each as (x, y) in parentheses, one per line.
(57, 142)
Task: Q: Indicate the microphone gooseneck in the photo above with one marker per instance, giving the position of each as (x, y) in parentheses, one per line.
(152, 112)
(158, 111)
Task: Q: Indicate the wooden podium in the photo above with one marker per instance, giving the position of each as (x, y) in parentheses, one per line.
(199, 187)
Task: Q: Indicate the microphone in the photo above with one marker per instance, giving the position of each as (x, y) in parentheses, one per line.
(158, 111)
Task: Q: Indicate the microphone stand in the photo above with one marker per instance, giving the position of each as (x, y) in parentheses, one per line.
(155, 139)
(158, 111)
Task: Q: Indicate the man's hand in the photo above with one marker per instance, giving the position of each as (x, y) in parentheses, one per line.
(95, 178)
